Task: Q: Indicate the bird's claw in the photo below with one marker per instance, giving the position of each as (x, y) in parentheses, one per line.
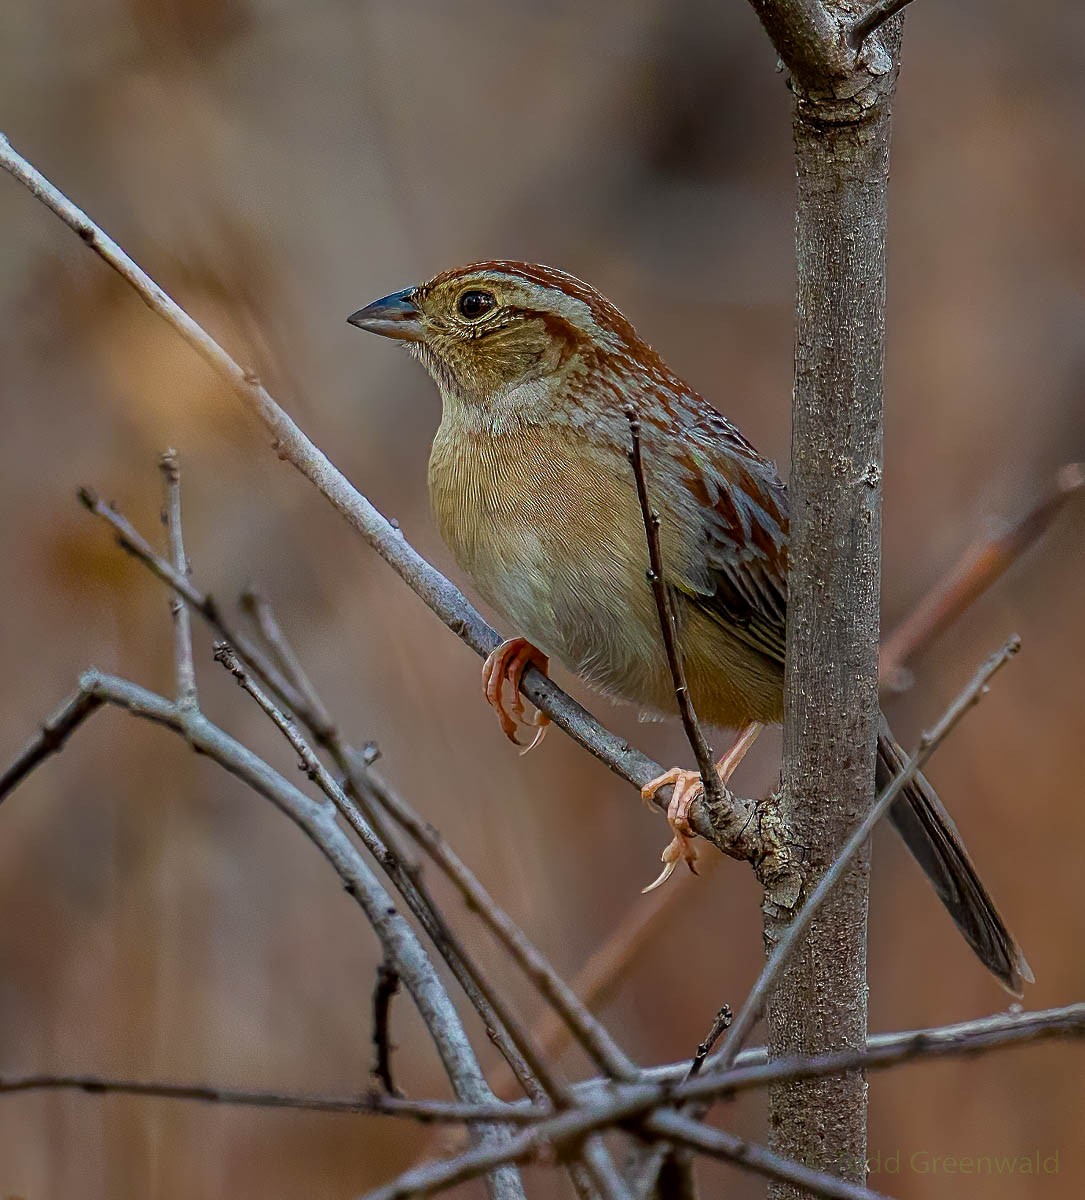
(507, 663)
(687, 788)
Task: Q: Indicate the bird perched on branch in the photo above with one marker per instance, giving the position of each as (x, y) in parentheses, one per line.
(533, 491)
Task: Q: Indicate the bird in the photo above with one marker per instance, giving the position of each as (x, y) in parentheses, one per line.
(532, 490)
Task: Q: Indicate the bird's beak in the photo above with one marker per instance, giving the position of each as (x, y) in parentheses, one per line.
(395, 316)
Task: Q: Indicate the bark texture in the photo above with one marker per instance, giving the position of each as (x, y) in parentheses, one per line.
(841, 128)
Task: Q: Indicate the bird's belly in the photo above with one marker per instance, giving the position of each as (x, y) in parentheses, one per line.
(556, 546)
(559, 548)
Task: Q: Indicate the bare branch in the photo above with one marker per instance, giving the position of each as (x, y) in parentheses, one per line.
(384, 990)
(51, 739)
(981, 565)
(702, 751)
(134, 543)
(370, 1103)
(317, 717)
(317, 820)
(183, 664)
(721, 1023)
(290, 443)
(755, 1002)
(873, 19)
(589, 1032)
(552, 1083)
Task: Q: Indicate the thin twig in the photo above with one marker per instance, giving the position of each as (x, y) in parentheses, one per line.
(721, 1022)
(384, 990)
(291, 691)
(600, 976)
(589, 1032)
(290, 443)
(51, 738)
(317, 717)
(317, 820)
(183, 664)
(133, 542)
(374, 1103)
(982, 564)
(673, 1165)
(554, 1085)
(755, 1002)
(872, 19)
(668, 625)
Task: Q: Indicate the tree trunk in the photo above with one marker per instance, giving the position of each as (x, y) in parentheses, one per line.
(841, 128)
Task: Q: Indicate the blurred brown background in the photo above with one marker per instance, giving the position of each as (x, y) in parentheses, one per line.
(276, 165)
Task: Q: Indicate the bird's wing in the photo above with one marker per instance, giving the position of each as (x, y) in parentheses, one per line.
(741, 505)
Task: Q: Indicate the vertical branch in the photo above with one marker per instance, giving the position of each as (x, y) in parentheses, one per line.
(384, 991)
(841, 124)
(183, 665)
(713, 789)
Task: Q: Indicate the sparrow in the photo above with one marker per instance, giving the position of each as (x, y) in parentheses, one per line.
(532, 490)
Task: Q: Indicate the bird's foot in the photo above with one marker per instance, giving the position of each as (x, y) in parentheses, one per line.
(687, 788)
(507, 663)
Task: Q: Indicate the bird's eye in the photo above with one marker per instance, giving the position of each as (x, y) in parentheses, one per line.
(475, 303)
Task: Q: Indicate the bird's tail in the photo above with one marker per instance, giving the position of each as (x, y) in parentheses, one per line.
(930, 834)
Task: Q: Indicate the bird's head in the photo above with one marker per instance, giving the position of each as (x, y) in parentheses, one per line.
(490, 330)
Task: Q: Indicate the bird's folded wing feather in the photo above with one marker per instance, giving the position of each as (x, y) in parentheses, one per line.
(743, 514)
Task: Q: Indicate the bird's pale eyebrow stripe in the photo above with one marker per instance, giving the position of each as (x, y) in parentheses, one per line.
(557, 300)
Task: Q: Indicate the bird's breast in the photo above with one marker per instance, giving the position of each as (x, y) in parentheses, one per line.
(551, 535)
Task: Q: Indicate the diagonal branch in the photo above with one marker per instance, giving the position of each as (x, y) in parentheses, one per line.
(875, 17)
(317, 821)
(755, 1002)
(286, 678)
(594, 1158)
(291, 444)
(981, 565)
(51, 738)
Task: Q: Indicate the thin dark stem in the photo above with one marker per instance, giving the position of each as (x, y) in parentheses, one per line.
(872, 19)
(721, 1023)
(51, 739)
(384, 991)
(755, 1002)
(372, 1103)
(702, 752)
(588, 1031)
